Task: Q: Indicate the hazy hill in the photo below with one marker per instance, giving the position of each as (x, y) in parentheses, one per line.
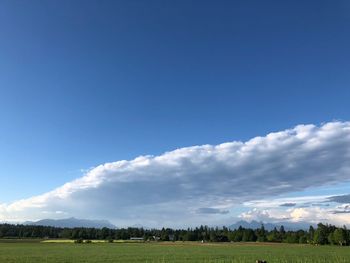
(72, 222)
(270, 226)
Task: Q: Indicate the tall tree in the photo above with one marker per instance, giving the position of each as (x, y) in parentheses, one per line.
(339, 236)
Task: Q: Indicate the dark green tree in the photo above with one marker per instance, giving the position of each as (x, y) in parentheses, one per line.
(261, 234)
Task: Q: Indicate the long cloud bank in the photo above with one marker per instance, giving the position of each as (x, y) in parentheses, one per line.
(187, 183)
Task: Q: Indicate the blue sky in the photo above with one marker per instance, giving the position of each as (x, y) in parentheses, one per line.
(83, 83)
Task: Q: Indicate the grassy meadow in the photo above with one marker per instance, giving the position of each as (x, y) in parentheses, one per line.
(63, 252)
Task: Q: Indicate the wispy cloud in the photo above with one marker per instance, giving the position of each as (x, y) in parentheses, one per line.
(288, 204)
(153, 189)
(340, 198)
(300, 201)
(209, 210)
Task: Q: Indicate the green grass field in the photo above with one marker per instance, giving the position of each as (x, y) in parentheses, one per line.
(28, 252)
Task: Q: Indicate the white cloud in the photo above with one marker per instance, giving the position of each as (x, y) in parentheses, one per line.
(314, 214)
(170, 188)
(288, 201)
(312, 209)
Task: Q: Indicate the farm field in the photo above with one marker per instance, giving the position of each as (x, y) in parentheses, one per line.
(28, 252)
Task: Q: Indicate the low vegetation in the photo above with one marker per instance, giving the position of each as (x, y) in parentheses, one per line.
(163, 252)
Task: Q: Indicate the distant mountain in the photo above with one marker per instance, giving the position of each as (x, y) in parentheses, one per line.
(139, 226)
(72, 222)
(270, 226)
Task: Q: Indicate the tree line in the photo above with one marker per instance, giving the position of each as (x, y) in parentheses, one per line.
(321, 235)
